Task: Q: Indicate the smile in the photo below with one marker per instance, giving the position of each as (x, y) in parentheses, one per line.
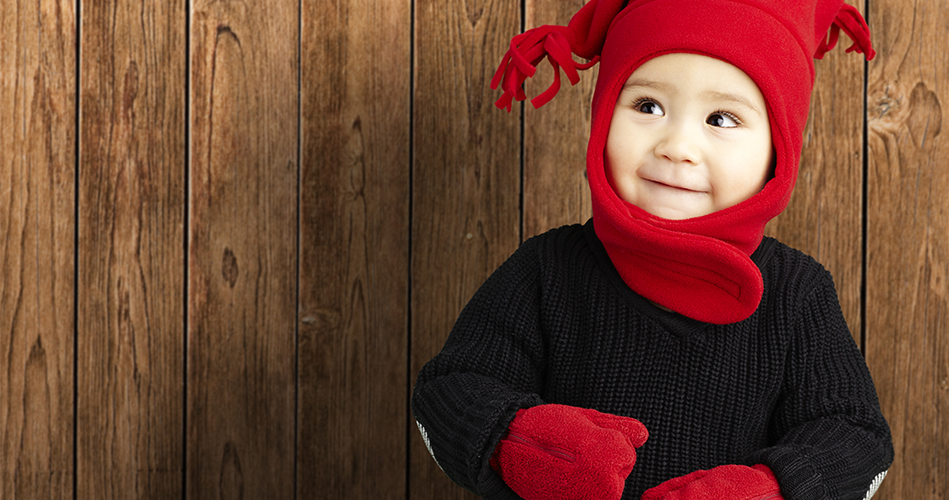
(674, 186)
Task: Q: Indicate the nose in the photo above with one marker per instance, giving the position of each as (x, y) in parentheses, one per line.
(679, 143)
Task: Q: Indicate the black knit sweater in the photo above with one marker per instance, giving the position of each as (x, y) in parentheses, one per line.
(786, 387)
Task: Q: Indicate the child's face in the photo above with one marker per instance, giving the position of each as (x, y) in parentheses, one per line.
(690, 136)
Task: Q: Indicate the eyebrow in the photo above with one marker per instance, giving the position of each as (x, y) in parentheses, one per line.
(709, 94)
(733, 98)
(648, 84)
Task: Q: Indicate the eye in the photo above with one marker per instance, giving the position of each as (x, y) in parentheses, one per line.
(648, 106)
(723, 119)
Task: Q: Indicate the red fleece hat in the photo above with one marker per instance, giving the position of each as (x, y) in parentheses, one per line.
(698, 267)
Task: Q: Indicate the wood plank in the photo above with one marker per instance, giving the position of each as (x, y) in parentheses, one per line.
(466, 182)
(37, 247)
(556, 191)
(825, 216)
(354, 249)
(242, 257)
(131, 257)
(908, 241)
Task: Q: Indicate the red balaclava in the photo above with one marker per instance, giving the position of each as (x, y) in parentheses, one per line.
(698, 267)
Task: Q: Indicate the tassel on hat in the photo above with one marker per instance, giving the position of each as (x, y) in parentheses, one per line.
(547, 41)
(855, 26)
(583, 36)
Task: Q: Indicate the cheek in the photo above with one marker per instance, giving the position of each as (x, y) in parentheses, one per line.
(746, 177)
(614, 153)
(613, 142)
(619, 162)
(621, 150)
(614, 167)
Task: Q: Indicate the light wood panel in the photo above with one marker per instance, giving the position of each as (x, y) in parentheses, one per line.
(37, 242)
(466, 181)
(908, 247)
(242, 284)
(354, 249)
(131, 229)
(825, 216)
(556, 191)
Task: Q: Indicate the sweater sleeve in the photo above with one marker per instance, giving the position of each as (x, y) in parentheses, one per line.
(832, 439)
(490, 366)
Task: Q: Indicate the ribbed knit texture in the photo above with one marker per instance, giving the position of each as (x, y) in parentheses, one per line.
(786, 387)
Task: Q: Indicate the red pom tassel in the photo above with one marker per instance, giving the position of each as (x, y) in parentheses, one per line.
(520, 63)
(855, 26)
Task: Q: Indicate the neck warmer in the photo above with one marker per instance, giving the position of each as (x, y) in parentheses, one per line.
(698, 267)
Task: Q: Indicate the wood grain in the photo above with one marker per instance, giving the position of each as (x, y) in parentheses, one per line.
(37, 243)
(131, 229)
(556, 191)
(354, 249)
(466, 181)
(908, 241)
(242, 257)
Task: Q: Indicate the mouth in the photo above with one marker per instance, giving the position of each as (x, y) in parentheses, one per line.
(673, 186)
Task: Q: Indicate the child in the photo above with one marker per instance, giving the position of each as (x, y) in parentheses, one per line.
(666, 345)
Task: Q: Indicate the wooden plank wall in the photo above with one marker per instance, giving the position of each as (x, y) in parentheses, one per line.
(231, 233)
(38, 134)
(131, 212)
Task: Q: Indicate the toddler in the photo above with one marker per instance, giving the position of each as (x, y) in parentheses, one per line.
(666, 349)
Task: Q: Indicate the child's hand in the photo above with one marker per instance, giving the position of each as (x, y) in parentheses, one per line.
(563, 452)
(736, 482)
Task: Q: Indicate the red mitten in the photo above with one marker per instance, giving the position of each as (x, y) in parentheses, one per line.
(564, 452)
(734, 482)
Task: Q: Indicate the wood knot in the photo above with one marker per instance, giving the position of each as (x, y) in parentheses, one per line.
(229, 268)
(130, 91)
(323, 319)
(357, 171)
(925, 115)
(231, 481)
(37, 354)
(475, 11)
(886, 104)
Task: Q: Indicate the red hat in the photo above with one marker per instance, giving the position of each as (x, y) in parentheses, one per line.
(698, 267)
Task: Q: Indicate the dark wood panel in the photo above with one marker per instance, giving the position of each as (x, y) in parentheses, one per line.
(354, 249)
(131, 229)
(466, 181)
(825, 216)
(242, 284)
(908, 247)
(556, 191)
(37, 245)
